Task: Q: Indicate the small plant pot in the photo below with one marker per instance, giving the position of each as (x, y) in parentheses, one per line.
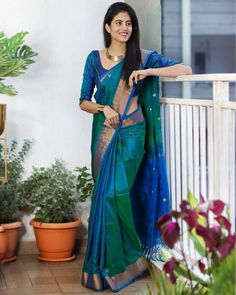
(11, 230)
(55, 241)
(3, 243)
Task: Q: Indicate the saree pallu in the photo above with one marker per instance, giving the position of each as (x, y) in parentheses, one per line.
(130, 191)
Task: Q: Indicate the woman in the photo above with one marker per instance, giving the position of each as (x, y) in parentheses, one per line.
(131, 189)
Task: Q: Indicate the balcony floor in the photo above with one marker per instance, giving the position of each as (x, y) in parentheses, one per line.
(28, 276)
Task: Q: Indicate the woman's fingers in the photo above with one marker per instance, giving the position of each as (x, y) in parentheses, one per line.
(112, 117)
(131, 78)
(136, 76)
(114, 121)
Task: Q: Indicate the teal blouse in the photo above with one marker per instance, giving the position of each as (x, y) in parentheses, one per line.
(94, 73)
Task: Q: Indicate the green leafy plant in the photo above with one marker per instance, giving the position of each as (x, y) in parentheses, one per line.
(211, 234)
(9, 199)
(50, 193)
(224, 276)
(15, 57)
(84, 184)
(161, 285)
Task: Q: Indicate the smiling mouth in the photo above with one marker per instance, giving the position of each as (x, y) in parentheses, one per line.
(123, 34)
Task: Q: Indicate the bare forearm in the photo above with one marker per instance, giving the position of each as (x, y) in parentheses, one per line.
(89, 106)
(172, 71)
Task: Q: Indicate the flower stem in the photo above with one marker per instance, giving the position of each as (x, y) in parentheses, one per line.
(188, 270)
(207, 252)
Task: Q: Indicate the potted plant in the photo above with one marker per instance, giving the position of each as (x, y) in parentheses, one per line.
(50, 193)
(9, 202)
(3, 243)
(84, 187)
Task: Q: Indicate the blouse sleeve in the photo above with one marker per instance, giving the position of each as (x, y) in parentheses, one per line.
(160, 61)
(88, 83)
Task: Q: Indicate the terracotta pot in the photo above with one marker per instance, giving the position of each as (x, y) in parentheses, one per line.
(11, 230)
(55, 241)
(3, 242)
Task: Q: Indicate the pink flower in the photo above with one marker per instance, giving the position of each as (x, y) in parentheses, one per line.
(217, 207)
(163, 220)
(211, 235)
(224, 221)
(170, 233)
(185, 206)
(191, 219)
(201, 266)
(227, 246)
(177, 214)
(169, 268)
(216, 233)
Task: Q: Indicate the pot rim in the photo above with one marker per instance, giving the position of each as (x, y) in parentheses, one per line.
(2, 229)
(15, 224)
(72, 224)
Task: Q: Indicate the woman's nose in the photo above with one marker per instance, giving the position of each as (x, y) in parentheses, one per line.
(124, 27)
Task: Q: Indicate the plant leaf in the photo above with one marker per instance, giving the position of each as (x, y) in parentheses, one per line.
(198, 242)
(193, 201)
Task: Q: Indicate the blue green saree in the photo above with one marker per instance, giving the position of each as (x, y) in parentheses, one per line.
(131, 189)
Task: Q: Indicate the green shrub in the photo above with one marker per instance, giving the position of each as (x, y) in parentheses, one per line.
(9, 199)
(224, 276)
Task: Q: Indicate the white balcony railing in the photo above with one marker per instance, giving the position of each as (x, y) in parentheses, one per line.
(200, 138)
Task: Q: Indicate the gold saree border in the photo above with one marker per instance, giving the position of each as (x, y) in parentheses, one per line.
(117, 282)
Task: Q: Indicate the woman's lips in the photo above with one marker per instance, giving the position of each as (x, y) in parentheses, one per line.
(123, 34)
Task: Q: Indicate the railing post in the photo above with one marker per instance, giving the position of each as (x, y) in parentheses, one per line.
(186, 42)
(220, 93)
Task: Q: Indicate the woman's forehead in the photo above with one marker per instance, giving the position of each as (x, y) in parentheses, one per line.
(124, 16)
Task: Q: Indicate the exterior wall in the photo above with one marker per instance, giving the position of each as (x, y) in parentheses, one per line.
(210, 19)
(171, 25)
(213, 17)
(171, 40)
(46, 108)
(149, 16)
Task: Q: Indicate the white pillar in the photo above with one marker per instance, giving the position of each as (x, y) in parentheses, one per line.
(186, 42)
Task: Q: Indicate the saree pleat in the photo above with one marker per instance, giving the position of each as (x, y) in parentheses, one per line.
(118, 247)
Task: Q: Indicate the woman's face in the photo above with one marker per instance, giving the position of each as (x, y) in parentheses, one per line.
(120, 28)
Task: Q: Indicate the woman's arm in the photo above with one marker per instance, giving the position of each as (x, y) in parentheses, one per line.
(89, 106)
(112, 117)
(171, 71)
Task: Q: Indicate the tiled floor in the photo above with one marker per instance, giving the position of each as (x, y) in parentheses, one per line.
(28, 276)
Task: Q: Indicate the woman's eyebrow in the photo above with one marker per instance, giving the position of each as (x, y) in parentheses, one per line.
(120, 20)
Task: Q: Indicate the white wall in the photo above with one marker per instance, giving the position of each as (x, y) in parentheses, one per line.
(46, 109)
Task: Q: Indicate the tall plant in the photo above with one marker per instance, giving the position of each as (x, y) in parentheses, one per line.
(15, 57)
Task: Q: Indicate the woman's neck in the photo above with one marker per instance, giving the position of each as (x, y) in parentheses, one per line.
(117, 48)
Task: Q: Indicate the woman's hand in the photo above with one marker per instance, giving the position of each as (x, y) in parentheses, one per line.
(112, 117)
(137, 75)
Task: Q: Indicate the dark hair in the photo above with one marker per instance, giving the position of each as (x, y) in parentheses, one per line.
(132, 59)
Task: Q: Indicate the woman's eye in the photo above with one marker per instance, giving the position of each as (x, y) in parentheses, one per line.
(128, 24)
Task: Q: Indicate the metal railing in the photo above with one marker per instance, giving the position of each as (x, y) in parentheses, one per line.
(199, 139)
